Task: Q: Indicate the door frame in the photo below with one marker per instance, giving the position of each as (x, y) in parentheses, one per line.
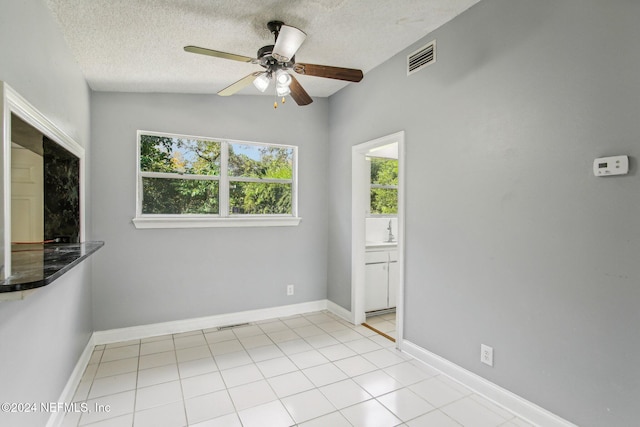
(11, 102)
(359, 181)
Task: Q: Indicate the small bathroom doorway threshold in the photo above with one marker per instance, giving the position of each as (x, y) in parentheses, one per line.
(389, 337)
(380, 321)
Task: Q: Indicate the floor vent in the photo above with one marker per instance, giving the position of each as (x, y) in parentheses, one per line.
(422, 57)
(224, 328)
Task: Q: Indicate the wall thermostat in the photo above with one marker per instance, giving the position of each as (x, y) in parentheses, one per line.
(607, 166)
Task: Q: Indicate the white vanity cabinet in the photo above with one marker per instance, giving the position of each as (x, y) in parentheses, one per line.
(381, 278)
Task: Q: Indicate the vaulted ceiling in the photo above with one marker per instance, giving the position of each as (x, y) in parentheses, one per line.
(137, 45)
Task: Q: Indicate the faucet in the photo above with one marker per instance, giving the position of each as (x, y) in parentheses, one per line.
(390, 237)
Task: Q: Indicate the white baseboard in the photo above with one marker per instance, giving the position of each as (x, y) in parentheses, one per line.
(512, 402)
(69, 390)
(175, 327)
(340, 311)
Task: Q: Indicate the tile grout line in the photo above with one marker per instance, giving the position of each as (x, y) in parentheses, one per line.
(135, 393)
(184, 400)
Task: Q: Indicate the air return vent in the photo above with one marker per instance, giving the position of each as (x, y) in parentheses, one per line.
(422, 57)
(237, 325)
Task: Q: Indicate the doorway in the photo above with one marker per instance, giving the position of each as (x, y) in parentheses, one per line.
(377, 256)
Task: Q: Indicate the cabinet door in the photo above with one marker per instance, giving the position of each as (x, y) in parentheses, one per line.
(394, 279)
(376, 288)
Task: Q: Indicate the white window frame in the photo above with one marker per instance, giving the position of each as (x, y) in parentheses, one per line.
(224, 218)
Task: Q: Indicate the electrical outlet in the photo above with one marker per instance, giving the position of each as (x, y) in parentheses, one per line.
(289, 290)
(486, 354)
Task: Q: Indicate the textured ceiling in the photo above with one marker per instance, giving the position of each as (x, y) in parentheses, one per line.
(137, 45)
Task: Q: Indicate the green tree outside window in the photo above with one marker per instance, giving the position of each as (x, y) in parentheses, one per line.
(384, 186)
(183, 176)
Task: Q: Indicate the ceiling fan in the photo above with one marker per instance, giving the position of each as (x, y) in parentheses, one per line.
(277, 60)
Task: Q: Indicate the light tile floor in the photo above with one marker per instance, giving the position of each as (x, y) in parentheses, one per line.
(311, 370)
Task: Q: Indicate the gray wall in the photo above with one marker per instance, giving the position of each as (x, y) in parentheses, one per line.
(511, 240)
(159, 275)
(42, 336)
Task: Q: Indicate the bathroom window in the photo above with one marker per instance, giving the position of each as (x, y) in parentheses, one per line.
(186, 181)
(384, 186)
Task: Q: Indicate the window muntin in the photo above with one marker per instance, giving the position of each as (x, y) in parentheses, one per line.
(182, 176)
(384, 186)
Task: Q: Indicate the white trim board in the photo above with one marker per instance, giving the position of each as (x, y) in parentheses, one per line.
(56, 418)
(11, 102)
(521, 407)
(193, 222)
(340, 311)
(178, 326)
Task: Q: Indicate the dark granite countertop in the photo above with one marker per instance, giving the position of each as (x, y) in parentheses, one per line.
(37, 265)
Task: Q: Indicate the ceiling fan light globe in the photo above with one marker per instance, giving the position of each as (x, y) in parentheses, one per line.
(261, 82)
(282, 90)
(283, 78)
(289, 41)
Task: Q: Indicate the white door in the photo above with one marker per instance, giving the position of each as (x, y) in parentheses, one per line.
(27, 196)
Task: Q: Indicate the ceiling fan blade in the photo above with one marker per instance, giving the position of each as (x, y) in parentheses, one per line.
(298, 93)
(338, 73)
(218, 54)
(239, 85)
(288, 42)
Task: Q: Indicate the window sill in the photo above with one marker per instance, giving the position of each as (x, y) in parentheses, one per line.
(195, 222)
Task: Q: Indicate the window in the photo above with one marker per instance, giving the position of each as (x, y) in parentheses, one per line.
(260, 179)
(384, 186)
(186, 181)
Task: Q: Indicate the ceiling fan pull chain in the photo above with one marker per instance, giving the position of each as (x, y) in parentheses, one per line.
(275, 103)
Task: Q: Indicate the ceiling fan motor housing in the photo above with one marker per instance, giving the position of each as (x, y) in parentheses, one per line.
(265, 51)
(267, 61)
